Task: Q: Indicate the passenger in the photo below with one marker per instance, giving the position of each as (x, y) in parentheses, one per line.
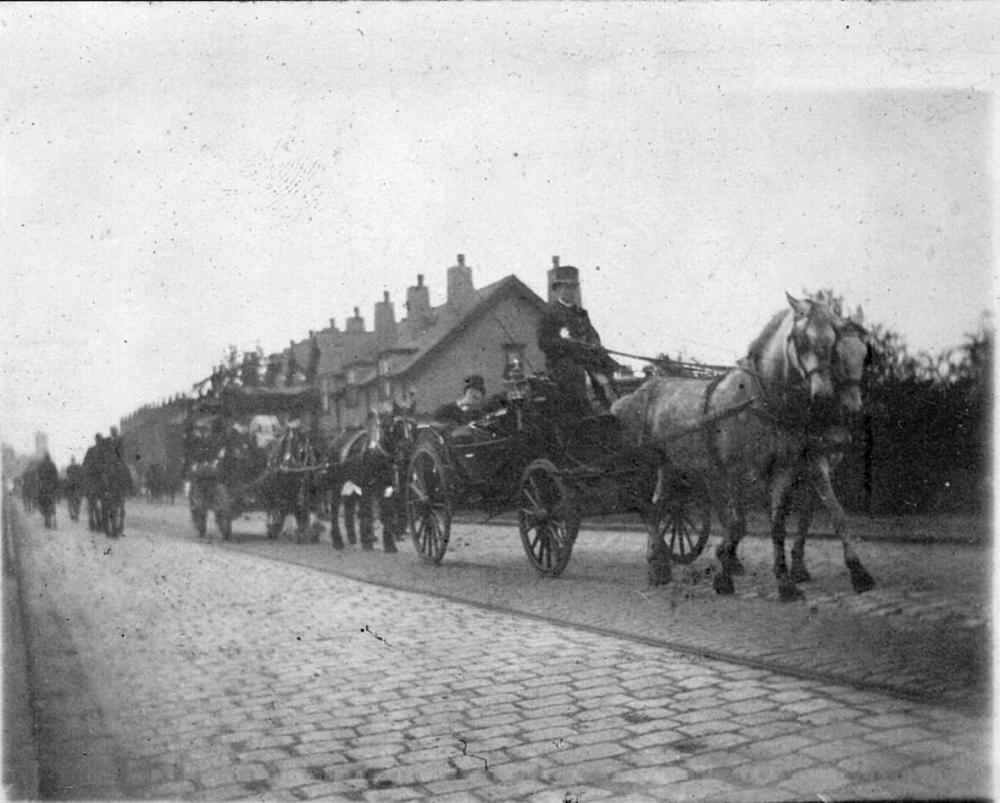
(573, 351)
(468, 406)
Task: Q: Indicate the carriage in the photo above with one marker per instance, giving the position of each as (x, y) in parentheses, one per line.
(235, 462)
(523, 456)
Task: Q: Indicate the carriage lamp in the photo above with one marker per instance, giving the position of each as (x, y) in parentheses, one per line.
(516, 383)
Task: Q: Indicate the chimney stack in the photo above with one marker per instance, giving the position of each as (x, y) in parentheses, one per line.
(355, 324)
(385, 323)
(461, 291)
(418, 305)
(333, 325)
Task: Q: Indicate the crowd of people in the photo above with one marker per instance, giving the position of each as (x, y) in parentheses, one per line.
(101, 479)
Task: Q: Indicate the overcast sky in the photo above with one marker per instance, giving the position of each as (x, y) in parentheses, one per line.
(176, 178)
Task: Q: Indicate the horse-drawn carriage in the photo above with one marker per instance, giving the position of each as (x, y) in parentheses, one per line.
(673, 451)
(246, 449)
(527, 457)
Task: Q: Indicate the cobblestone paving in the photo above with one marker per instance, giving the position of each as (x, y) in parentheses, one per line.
(171, 670)
(923, 631)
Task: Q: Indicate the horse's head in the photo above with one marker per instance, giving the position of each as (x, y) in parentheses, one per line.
(851, 355)
(398, 427)
(391, 428)
(809, 347)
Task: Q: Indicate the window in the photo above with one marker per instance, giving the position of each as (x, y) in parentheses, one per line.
(512, 353)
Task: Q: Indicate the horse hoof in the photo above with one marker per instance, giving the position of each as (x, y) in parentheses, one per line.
(390, 549)
(787, 592)
(723, 584)
(736, 567)
(367, 547)
(338, 545)
(861, 581)
(800, 575)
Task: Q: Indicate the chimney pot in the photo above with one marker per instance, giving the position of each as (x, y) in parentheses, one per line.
(420, 280)
(385, 295)
(461, 259)
(555, 262)
(357, 312)
(333, 325)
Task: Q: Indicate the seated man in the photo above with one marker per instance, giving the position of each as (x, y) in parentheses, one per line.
(468, 406)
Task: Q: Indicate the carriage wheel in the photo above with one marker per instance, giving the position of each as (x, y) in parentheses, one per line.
(428, 502)
(683, 518)
(548, 518)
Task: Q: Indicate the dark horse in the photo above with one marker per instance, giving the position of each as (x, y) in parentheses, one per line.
(368, 459)
(767, 420)
(292, 483)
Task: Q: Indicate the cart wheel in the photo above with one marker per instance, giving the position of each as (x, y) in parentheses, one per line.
(548, 518)
(684, 516)
(428, 502)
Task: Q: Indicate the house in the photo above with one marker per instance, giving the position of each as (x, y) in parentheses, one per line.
(426, 355)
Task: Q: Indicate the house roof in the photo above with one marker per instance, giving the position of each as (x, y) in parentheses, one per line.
(448, 322)
(417, 340)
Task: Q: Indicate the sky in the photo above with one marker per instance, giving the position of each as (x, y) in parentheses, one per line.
(176, 178)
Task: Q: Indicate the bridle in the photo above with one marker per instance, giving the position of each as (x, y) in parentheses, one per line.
(774, 406)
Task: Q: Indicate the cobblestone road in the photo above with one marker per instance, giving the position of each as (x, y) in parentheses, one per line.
(923, 631)
(168, 668)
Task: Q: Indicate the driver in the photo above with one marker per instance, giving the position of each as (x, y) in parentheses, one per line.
(572, 349)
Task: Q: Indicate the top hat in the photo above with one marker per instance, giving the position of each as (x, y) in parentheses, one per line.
(476, 383)
(565, 274)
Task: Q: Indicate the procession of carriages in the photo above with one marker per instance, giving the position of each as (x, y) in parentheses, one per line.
(675, 452)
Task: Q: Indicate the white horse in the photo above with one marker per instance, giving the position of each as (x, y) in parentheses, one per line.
(767, 420)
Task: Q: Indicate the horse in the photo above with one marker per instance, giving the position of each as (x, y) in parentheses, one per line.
(762, 421)
(360, 458)
(851, 355)
(291, 486)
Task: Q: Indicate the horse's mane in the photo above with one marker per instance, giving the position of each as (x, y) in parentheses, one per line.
(758, 344)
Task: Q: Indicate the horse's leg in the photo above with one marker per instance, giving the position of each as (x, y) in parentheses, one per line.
(659, 564)
(861, 581)
(334, 501)
(740, 531)
(739, 527)
(350, 505)
(365, 518)
(806, 508)
(387, 513)
(729, 515)
(780, 486)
